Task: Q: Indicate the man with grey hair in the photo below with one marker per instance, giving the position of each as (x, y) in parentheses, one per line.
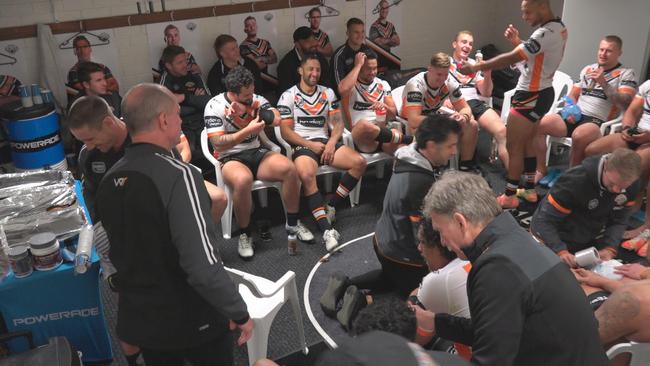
(155, 211)
(527, 308)
(593, 197)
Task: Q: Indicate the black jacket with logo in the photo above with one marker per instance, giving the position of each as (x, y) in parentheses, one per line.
(578, 208)
(527, 307)
(174, 290)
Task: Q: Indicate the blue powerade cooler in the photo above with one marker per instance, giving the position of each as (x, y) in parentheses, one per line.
(35, 139)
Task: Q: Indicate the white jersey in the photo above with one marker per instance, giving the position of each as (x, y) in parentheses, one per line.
(445, 290)
(468, 83)
(218, 122)
(644, 93)
(361, 98)
(593, 101)
(418, 94)
(308, 113)
(543, 52)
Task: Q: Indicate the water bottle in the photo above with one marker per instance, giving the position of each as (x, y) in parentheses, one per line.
(571, 112)
(4, 257)
(84, 248)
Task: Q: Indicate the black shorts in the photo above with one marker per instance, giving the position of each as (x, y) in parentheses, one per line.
(305, 151)
(597, 298)
(533, 105)
(570, 127)
(478, 107)
(251, 158)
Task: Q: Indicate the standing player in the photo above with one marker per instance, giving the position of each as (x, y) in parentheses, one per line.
(307, 109)
(365, 97)
(477, 89)
(234, 120)
(384, 34)
(534, 94)
(425, 94)
(324, 46)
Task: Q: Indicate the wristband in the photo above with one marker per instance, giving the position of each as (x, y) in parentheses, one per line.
(467, 117)
(424, 332)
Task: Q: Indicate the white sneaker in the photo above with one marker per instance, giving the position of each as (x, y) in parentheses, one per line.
(301, 232)
(331, 239)
(245, 247)
(331, 213)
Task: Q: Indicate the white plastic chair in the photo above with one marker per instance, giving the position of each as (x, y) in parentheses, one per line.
(325, 170)
(640, 352)
(264, 298)
(258, 185)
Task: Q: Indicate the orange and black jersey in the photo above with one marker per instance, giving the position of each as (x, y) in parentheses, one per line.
(258, 48)
(321, 37)
(309, 113)
(384, 30)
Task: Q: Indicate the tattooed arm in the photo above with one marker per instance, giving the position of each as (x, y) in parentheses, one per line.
(617, 317)
(227, 141)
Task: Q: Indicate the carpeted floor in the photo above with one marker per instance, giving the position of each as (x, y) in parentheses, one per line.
(271, 260)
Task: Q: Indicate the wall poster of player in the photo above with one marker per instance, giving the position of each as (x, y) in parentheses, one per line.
(383, 24)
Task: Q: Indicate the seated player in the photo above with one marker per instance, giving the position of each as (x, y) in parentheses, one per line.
(477, 90)
(190, 92)
(173, 38)
(594, 196)
(343, 60)
(227, 50)
(234, 120)
(93, 82)
(83, 51)
(426, 92)
(364, 97)
(604, 90)
(307, 111)
(304, 43)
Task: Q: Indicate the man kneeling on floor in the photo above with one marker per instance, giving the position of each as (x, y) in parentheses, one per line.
(395, 241)
(593, 197)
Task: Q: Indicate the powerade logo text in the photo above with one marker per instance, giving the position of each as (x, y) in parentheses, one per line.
(69, 314)
(41, 143)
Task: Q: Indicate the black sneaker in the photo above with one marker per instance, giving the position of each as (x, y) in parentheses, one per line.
(265, 231)
(333, 293)
(353, 301)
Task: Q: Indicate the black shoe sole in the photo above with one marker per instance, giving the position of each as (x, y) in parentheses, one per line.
(246, 258)
(335, 288)
(353, 301)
